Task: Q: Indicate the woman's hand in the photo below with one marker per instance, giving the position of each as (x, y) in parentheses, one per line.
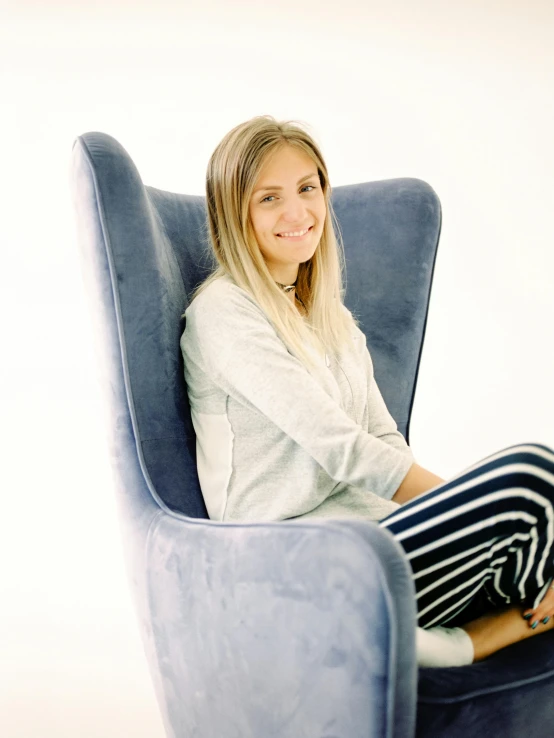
(543, 611)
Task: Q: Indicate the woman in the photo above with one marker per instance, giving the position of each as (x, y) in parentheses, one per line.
(290, 422)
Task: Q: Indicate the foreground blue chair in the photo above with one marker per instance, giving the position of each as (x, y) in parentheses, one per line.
(272, 630)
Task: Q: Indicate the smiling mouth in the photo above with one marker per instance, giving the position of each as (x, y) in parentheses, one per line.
(297, 237)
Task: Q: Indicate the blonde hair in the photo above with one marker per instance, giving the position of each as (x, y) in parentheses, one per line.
(231, 176)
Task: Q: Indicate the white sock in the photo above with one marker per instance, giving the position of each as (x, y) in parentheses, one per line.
(443, 647)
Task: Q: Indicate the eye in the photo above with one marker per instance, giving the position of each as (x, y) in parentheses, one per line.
(266, 199)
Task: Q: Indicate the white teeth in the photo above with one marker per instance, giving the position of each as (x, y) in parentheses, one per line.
(296, 233)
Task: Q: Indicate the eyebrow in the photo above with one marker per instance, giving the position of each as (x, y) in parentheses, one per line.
(276, 187)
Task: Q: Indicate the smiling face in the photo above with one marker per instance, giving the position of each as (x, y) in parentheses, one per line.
(287, 200)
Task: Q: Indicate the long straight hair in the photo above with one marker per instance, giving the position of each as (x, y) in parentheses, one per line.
(231, 176)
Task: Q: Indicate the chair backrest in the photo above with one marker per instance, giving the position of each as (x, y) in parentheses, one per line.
(145, 249)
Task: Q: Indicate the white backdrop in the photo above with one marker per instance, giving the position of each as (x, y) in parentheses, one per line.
(458, 94)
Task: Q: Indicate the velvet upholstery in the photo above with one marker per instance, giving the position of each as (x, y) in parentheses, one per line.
(271, 629)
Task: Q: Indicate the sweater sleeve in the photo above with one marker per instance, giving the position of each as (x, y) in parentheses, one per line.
(246, 358)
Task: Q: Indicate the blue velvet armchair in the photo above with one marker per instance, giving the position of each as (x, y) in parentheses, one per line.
(272, 630)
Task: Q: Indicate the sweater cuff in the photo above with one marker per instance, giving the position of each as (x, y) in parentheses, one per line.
(397, 476)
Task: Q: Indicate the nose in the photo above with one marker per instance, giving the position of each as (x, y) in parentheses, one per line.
(294, 211)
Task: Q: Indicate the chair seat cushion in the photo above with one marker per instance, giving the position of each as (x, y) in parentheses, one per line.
(508, 694)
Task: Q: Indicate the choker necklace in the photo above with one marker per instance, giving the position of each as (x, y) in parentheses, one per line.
(288, 287)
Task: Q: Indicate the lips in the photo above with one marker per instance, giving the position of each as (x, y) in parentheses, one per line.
(295, 230)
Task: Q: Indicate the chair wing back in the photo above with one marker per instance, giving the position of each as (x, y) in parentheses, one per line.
(144, 251)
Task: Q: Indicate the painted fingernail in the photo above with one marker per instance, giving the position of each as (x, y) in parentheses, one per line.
(528, 616)
(545, 621)
(534, 625)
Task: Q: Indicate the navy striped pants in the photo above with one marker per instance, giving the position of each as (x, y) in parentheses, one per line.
(487, 534)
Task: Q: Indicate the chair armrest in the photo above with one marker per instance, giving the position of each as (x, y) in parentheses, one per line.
(297, 629)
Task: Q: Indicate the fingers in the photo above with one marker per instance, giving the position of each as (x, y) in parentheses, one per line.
(538, 617)
(541, 614)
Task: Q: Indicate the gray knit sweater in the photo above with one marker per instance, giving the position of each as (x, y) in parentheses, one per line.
(272, 441)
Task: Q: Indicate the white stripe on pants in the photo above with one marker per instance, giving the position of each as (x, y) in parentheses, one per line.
(488, 530)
